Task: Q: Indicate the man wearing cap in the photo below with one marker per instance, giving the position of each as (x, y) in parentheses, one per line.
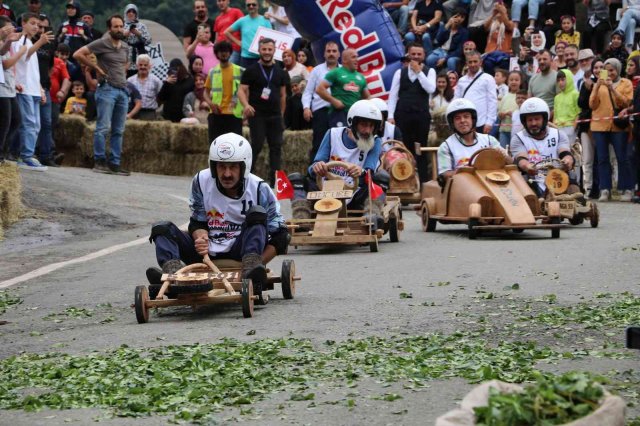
(73, 32)
(88, 18)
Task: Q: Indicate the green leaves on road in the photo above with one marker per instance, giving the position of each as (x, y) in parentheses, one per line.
(8, 299)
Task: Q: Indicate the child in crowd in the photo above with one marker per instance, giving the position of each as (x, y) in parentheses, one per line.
(77, 104)
(566, 109)
(293, 116)
(516, 125)
(508, 106)
(567, 31)
(501, 76)
(63, 52)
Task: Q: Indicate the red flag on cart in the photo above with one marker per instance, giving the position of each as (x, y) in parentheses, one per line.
(284, 189)
(376, 191)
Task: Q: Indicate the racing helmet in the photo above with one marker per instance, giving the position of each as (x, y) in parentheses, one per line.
(364, 110)
(534, 106)
(384, 109)
(230, 148)
(461, 105)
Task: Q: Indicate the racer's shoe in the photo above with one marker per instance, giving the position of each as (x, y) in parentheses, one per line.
(253, 269)
(172, 266)
(154, 275)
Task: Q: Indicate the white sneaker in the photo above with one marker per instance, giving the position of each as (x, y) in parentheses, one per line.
(627, 195)
(605, 195)
(31, 163)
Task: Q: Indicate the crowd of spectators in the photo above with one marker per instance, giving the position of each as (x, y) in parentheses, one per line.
(494, 53)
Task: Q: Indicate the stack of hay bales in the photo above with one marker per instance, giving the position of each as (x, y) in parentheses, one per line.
(10, 189)
(166, 148)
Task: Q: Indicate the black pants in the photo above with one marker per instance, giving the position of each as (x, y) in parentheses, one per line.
(271, 128)
(219, 124)
(146, 114)
(9, 123)
(320, 125)
(415, 128)
(594, 38)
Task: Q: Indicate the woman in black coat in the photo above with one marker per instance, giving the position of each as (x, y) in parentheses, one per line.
(177, 85)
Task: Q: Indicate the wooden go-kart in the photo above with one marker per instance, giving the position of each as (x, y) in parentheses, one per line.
(487, 195)
(400, 163)
(334, 224)
(211, 283)
(573, 204)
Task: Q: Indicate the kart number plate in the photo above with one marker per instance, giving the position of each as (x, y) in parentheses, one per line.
(318, 195)
(232, 276)
(567, 208)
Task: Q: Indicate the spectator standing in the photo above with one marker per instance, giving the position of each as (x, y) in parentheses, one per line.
(196, 65)
(452, 76)
(507, 106)
(247, 26)
(598, 24)
(195, 108)
(316, 109)
(33, 6)
(449, 39)
(226, 17)
(480, 88)
(629, 21)
(111, 96)
(221, 93)
(425, 21)
(293, 67)
(558, 61)
(399, 12)
(305, 57)
(76, 104)
(60, 88)
(73, 32)
(571, 60)
(616, 49)
(543, 84)
(589, 173)
(9, 109)
(347, 87)
(149, 87)
(203, 47)
(633, 71)
(409, 103)
(566, 110)
(136, 36)
(174, 89)
(200, 16)
(438, 104)
(294, 113)
(5, 10)
(263, 94)
(280, 22)
(89, 19)
(607, 96)
(27, 73)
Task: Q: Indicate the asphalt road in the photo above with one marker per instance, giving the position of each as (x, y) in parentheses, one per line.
(425, 283)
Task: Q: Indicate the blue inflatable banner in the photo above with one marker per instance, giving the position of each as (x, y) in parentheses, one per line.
(362, 25)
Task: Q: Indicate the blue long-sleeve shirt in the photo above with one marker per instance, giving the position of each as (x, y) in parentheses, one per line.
(324, 152)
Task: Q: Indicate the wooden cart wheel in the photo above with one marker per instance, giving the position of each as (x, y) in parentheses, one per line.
(402, 169)
(287, 276)
(473, 232)
(141, 297)
(428, 224)
(576, 220)
(373, 246)
(247, 298)
(595, 215)
(394, 232)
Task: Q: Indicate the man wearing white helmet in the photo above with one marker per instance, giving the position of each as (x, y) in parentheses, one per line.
(458, 148)
(234, 215)
(538, 142)
(387, 131)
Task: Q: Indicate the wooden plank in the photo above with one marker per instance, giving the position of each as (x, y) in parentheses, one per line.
(541, 226)
(230, 275)
(318, 195)
(326, 227)
(338, 240)
(340, 219)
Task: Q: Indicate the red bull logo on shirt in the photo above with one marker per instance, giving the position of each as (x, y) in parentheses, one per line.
(215, 218)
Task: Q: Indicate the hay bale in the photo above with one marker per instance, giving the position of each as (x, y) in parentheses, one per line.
(10, 193)
(146, 136)
(189, 139)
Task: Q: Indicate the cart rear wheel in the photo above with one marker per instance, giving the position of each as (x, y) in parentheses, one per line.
(247, 298)
(373, 246)
(473, 233)
(394, 232)
(576, 220)
(287, 276)
(428, 224)
(141, 297)
(595, 215)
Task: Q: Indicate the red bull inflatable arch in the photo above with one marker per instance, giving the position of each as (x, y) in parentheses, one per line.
(359, 24)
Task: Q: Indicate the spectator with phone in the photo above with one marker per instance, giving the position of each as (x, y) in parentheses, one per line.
(136, 36)
(200, 16)
(449, 39)
(203, 48)
(9, 109)
(174, 89)
(73, 32)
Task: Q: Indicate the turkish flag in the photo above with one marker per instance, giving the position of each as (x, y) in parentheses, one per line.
(376, 191)
(284, 189)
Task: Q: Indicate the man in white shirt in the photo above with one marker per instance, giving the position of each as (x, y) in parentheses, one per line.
(29, 98)
(571, 59)
(480, 88)
(409, 103)
(316, 109)
(149, 86)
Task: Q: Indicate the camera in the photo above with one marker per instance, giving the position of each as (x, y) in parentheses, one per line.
(132, 27)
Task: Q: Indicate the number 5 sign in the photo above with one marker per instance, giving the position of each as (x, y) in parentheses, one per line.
(283, 41)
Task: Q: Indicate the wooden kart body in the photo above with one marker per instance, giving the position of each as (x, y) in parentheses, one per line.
(212, 283)
(487, 195)
(334, 224)
(400, 163)
(573, 207)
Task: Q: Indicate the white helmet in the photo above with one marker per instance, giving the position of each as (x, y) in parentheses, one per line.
(363, 109)
(382, 105)
(461, 105)
(230, 148)
(534, 106)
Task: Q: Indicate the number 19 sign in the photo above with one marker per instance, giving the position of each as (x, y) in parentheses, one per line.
(283, 41)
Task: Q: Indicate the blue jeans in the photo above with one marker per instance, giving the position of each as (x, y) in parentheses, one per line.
(400, 17)
(534, 9)
(30, 125)
(45, 138)
(440, 53)
(628, 23)
(111, 104)
(427, 41)
(505, 139)
(619, 142)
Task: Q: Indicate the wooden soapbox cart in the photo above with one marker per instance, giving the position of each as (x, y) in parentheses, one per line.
(334, 224)
(400, 163)
(212, 283)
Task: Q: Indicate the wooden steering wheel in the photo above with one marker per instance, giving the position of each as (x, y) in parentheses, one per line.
(487, 159)
(333, 176)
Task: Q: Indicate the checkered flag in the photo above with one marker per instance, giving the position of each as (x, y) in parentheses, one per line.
(160, 70)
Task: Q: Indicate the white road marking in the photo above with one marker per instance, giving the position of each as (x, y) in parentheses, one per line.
(91, 256)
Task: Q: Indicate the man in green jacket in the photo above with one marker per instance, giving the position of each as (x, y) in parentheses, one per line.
(221, 94)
